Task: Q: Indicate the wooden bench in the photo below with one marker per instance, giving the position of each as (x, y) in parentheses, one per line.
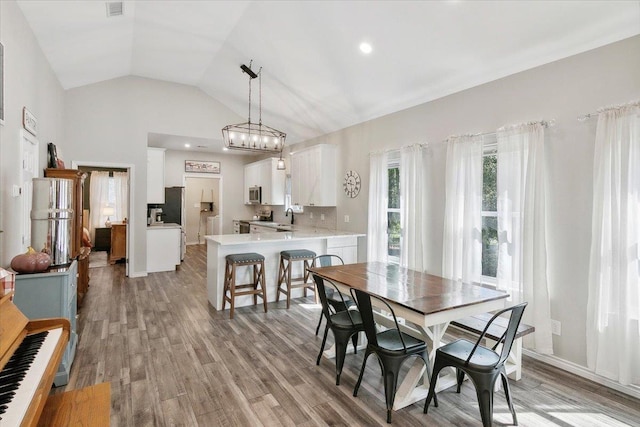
(89, 406)
(476, 324)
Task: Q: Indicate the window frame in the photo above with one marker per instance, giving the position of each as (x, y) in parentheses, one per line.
(393, 162)
(489, 148)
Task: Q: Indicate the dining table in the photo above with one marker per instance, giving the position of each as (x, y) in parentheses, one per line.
(427, 303)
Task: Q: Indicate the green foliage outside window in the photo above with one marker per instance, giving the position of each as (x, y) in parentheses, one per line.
(489, 223)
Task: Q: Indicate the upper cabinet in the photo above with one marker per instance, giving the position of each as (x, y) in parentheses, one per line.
(155, 175)
(313, 176)
(265, 174)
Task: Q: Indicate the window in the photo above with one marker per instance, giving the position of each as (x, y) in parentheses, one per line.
(489, 213)
(393, 212)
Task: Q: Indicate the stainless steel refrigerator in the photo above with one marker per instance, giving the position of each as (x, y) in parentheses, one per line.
(173, 211)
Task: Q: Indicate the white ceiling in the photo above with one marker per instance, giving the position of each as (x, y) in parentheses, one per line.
(315, 79)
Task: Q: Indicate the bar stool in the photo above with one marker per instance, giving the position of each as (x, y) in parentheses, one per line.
(244, 260)
(287, 258)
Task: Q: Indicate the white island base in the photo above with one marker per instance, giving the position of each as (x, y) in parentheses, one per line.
(344, 244)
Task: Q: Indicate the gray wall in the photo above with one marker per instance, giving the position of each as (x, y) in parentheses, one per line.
(28, 82)
(562, 90)
(110, 122)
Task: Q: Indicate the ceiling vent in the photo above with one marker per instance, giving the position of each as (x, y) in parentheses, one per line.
(114, 8)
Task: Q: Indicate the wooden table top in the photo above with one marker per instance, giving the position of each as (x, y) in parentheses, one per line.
(417, 291)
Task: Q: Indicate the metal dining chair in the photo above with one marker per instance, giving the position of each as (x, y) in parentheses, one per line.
(335, 303)
(392, 346)
(483, 365)
(345, 324)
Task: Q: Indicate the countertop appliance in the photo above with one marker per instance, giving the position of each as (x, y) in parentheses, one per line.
(255, 195)
(51, 216)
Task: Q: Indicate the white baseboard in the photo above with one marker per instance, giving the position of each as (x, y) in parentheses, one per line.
(583, 372)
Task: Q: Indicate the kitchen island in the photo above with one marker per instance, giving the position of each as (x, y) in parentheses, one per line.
(321, 241)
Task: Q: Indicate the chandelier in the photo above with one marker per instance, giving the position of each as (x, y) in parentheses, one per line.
(250, 136)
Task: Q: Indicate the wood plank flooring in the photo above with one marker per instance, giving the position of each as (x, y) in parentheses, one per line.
(174, 361)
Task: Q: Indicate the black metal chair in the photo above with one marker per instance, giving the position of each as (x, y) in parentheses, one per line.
(345, 324)
(392, 347)
(483, 365)
(336, 303)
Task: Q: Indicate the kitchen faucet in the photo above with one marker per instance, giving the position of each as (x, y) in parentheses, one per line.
(286, 213)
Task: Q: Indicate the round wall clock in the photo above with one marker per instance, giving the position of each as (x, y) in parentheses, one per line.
(351, 184)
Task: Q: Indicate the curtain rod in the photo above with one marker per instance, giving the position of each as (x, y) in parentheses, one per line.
(546, 123)
(389, 150)
(585, 117)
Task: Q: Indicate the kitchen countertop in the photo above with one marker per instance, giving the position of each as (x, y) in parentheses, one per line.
(164, 225)
(280, 236)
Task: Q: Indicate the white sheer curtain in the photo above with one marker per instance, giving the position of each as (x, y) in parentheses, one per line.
(413, 184)
(522, 253)
(98, 199)
(613, 336)
(121, 187)
(462, 246)
(378, 203)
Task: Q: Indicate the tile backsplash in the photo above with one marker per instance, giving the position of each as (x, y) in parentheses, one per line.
(312, 216)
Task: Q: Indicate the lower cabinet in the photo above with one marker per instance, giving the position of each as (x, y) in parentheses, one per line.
(345, 247)
(163, 248)
(51, 294)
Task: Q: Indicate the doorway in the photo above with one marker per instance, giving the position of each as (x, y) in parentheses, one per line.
(203, 209)
(109, 224)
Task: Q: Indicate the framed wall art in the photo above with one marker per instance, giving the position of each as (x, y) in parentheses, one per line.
(201, 166)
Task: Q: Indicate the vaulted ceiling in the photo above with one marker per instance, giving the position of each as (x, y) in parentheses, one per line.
(315, 79)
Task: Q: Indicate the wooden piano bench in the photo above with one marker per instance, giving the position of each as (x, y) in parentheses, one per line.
(89, 406)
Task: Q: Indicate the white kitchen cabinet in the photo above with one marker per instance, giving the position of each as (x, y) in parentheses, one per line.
(265, 174)
(163, 247)
(155, 175)
(256, 229)
(313, 176)
(345, 247)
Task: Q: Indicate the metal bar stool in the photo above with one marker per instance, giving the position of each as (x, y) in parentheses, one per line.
(284, 273)
(244, 260)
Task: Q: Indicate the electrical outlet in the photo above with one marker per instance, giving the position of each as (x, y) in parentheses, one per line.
(310, 215)
(321, 217)
(346, 218)
(556, 327)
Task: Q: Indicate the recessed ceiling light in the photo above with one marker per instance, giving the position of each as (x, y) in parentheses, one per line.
(187, 145)
(365, 48)
(225, 149)
(115, 8)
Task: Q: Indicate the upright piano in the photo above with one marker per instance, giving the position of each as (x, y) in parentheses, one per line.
(30, 352)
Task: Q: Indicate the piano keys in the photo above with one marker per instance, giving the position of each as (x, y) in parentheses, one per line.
(30, 352)
(23, 373)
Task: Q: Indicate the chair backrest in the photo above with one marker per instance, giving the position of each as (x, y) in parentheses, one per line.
(327, 260)
(363, 301)
(509, 334)
(322, 293)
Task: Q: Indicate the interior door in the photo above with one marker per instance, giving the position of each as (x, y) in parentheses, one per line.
(30, 168)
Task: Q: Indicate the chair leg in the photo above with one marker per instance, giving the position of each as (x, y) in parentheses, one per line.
(263, 286)
(256, 278)
(484, 391)
(289, 267)
(437, 367)
(459, 379)
(319, 323)
(507, 393)
(232, 291)
(341, 342)
(425, 359)
(364, 364)
(390, 384)
(280, 278)
(227, 278)
(324, 340)
(354, 340)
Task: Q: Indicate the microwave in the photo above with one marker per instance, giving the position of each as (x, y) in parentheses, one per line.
(255, 195)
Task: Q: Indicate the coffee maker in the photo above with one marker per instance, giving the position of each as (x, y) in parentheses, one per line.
(155, 216)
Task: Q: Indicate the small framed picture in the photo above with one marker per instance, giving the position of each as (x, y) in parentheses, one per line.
(201, 166)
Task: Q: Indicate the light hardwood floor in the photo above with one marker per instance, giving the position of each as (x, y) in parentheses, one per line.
(172, 360)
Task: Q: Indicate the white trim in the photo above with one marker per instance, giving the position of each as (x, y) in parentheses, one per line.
(583, 372)
(130, 167)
